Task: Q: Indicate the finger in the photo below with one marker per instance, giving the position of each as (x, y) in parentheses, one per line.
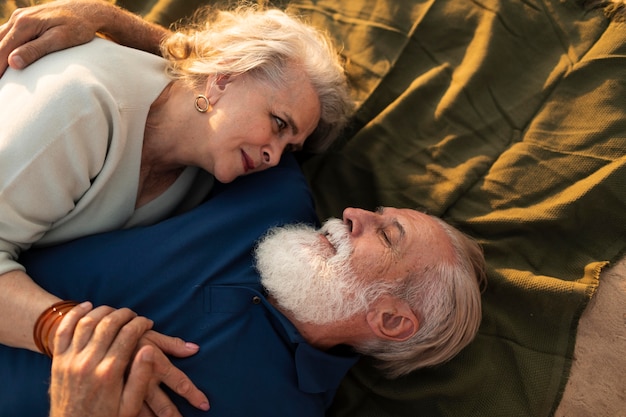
(17, 31)
(26, 52)
(160, 403)
(125, 338)
(138, 381)
(33, 32)
(86, 327)
(145, 411)
(179, 382)
(65, 331)
(174, 346)
(8, 43)
(4, 29)
(107, 323)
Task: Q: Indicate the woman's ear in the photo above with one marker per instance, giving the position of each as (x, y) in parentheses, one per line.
(392, 319)
(216, 87)
(222, 81)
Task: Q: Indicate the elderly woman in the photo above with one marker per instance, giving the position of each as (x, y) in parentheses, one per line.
(101, 137)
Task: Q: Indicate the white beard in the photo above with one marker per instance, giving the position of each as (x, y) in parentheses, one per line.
(300, 271)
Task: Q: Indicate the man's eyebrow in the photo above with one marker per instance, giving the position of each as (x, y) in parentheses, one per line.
(395, 222)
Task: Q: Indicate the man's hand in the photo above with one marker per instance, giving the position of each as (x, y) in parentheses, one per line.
(92, 349)
(33, 32)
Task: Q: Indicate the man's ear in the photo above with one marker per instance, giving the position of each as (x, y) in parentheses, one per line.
(392, 319)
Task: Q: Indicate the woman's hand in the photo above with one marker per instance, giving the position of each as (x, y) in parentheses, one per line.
(92, 349)
(89, 353)
(164, 372)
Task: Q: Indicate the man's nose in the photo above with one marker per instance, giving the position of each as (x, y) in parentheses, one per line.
(357, 219)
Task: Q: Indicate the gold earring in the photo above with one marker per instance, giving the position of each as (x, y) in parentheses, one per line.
(206, 104)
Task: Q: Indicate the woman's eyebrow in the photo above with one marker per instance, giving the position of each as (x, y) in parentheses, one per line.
(294, 127)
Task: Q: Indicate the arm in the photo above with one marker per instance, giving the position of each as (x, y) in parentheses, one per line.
(33, 32)
(21, 303)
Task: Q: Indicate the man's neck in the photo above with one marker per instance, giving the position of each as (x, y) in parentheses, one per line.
(326, 336)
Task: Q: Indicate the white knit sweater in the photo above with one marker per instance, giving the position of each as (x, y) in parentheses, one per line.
(71, 133)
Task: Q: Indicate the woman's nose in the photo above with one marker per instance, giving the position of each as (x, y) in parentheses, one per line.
(267, 157)
(271, 154)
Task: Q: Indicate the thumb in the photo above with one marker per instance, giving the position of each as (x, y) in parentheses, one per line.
(24, 55)
(138, 382)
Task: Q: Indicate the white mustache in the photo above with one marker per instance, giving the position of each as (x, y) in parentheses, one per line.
(338, 235)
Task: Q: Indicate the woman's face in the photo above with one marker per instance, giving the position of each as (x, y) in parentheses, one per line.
(251, 123)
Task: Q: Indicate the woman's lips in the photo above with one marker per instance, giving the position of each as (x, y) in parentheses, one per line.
(248, 163)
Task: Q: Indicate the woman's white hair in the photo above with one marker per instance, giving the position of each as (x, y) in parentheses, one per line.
(263, 43)
(446, 297)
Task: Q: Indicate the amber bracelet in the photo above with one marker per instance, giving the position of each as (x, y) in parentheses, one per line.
(46, 322)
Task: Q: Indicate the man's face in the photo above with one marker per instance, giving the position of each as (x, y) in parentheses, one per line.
(307, 274)
(336, 272)
(390, 244)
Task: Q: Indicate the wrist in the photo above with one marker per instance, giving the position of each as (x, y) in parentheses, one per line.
(129, 29)
(47, 323)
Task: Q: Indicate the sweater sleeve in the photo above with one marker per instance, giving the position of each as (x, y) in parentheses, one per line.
(53, 142)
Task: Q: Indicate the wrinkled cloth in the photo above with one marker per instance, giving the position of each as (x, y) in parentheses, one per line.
(505, 118)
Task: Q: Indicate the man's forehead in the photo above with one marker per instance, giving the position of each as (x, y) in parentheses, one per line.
(406, 214)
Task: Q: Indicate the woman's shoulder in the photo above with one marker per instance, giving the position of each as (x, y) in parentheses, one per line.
(73, 94)
(97, 75)
(104, 53)
(100, 53)
(97, 63)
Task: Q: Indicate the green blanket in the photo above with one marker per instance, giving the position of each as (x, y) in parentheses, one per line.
(507, 119)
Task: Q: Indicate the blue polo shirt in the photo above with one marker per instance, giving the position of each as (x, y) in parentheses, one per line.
(194, 276)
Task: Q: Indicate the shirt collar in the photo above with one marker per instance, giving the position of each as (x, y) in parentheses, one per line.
(318, 371)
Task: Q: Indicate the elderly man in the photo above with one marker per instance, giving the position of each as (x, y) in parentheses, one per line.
(395, 284)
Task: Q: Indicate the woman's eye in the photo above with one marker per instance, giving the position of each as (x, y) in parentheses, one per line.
(280, 122)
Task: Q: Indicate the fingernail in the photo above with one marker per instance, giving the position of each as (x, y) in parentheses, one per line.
(191, 346)
(147, 355)
(17, 61)
(85, 305)
(204, 406)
